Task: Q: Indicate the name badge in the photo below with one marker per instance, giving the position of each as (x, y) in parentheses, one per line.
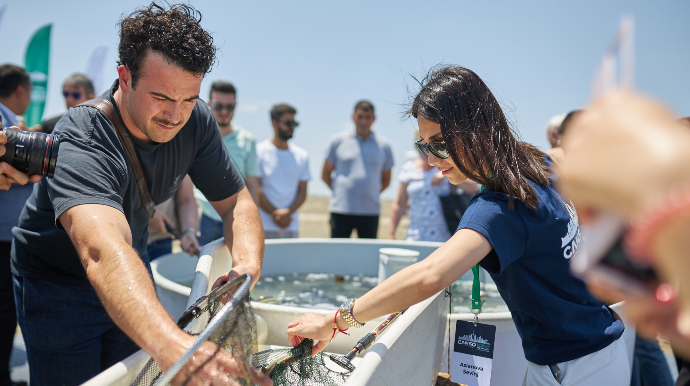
(473, 353)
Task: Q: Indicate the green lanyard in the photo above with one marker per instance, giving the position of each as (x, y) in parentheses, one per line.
(476, 298)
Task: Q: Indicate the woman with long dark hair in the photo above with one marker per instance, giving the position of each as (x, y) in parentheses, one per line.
(518, 229)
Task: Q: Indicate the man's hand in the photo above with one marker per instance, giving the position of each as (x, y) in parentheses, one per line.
(10, 175)
(219, 367)
(190, 244)
(158, 221)
(235, 272)
(282, 217)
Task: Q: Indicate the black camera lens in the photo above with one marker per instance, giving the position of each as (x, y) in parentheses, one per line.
(31, 152)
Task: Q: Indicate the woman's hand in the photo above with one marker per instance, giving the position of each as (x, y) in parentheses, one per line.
(311, 326)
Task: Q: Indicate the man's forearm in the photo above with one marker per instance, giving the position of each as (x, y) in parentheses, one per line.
(253, 187)
(125, 288)
(103, 240)
(244, 235)
(265, 204)
(328, 181)
(300, 198)
(189, 215)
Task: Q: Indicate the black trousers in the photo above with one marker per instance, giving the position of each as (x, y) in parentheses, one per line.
(343, 224)
(8, 312)
(683, 372)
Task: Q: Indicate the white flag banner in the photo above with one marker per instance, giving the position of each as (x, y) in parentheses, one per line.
(94, 68)
(617, 66)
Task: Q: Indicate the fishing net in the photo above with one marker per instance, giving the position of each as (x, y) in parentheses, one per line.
(296, 367)
(225, 318)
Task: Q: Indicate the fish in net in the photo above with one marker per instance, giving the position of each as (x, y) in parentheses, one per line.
(296, 367)
(224, 318)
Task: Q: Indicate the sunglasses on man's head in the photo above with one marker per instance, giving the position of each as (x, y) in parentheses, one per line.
(437, 148)
(220, 107)
(289, 123)
(74, 95)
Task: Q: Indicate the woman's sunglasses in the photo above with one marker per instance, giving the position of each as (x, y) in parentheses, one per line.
(437, 148)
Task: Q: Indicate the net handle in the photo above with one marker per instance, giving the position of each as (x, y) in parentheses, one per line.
(211, 327)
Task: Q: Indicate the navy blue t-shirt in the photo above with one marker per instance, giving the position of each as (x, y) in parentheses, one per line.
(556, 317)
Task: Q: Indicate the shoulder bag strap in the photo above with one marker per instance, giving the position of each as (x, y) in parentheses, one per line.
(109, 110)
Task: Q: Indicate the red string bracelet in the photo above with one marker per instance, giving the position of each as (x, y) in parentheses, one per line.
(335, 326)
(639, 238)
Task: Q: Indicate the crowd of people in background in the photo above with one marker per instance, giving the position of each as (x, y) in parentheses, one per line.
(273, 175)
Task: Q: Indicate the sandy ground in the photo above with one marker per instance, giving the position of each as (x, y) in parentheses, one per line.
(314, 217)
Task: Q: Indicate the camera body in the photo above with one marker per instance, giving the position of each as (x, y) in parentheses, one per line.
(31, 152)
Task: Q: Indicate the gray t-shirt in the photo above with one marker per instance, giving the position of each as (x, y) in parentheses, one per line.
(356, 178)
(93, 168)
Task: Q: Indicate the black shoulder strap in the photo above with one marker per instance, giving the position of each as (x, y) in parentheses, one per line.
(109, 110)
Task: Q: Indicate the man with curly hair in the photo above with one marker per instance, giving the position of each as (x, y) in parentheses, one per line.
(81, 273)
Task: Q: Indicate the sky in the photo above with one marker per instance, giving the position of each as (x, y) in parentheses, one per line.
(538, 57)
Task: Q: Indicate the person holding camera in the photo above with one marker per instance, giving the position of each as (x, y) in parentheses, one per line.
(15, 96)
(79, 253)
(651, 146)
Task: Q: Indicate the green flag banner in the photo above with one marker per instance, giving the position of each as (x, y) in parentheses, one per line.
(36, 63)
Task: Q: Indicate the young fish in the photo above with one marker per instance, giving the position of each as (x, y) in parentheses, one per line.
(288, 357)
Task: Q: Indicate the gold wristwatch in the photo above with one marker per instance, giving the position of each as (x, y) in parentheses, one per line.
(346, 312)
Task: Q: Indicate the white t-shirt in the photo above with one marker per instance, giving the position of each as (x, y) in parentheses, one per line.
(281, 171)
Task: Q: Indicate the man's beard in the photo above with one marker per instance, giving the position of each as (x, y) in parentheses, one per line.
(284, 135)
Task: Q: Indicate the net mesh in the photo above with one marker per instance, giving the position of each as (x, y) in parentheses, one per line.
(296, 367)
(236, 334)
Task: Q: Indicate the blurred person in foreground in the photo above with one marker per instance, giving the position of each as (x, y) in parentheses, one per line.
(284, 173)
(240, 145)
(79, 253)
(357, 169)
(420, 189)
(76, 89)
(15, 96)
(651, 146)
(182, 214)
(518, 229)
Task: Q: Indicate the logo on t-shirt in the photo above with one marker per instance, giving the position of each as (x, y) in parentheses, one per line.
(571, 241)
(176, 184)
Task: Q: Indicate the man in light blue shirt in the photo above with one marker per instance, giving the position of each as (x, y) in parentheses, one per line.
(241, 147)
(357, 169)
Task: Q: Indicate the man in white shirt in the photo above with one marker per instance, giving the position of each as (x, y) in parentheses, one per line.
(283, 172)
